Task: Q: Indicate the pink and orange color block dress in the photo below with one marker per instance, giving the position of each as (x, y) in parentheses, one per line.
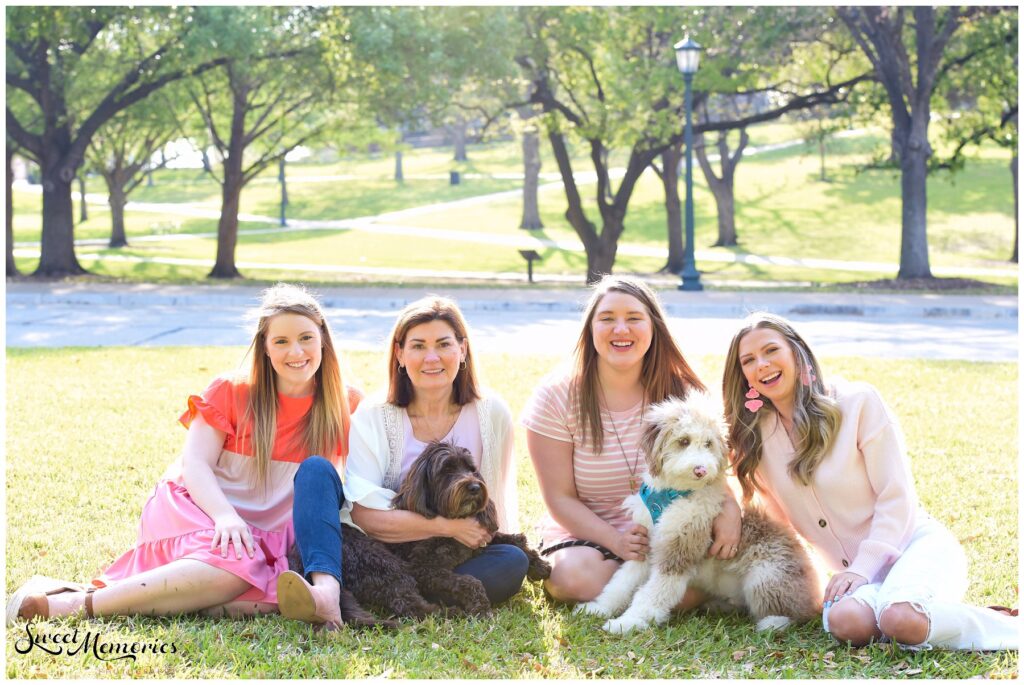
(174, 527)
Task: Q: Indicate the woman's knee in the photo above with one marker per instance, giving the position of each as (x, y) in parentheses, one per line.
(902, 623)
(853, 622)
(571, 582)
(315, 473)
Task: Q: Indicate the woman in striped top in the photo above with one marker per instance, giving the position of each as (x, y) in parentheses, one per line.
(583, 434)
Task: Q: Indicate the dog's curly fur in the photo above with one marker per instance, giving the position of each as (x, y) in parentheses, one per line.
(771, 575)
(414, 579)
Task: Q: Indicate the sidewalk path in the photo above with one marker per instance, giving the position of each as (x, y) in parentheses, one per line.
(515, 321)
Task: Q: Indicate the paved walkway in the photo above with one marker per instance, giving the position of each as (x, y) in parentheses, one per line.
(515, 321)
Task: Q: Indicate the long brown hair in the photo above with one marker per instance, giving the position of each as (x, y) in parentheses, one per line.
(816, 416)
(328, 419)
(425, 310)
(664, 373)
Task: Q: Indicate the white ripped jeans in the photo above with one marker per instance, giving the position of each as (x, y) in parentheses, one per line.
(931, 575)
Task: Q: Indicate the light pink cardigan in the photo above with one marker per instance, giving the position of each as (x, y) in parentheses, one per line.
(860, 508)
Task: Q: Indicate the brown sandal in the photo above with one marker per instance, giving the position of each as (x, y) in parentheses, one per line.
(30, 602)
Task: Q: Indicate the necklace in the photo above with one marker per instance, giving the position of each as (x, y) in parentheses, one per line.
(426, 428)
(634, 479)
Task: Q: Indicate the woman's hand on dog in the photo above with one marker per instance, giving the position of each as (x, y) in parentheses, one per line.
(469, 532)
(725, 530)
(231, 529)
(843, 584)
(633, 544)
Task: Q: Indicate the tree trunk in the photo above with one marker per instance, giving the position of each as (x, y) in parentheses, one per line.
(1016, 216)
(914, 238)
(598, 261)
(601, 260)
(459, 136)
(117, 199)
(12, 268)
(821, 155)
(722, 188)
(207, 167)
(399, 177)
(284, 191)
(670, 159)
(57, 247)
(227, 228)
(531, 180)
(83, 212)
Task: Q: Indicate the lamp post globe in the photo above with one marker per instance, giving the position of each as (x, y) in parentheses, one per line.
(688, 60)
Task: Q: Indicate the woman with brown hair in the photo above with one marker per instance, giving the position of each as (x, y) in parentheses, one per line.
(432, 395)
(583, 433)
(215, 533)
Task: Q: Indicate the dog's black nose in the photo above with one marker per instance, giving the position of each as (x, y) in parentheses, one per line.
(474, 488)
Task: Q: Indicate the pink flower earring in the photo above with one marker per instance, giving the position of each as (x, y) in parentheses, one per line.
(753, 404)
(807, 376)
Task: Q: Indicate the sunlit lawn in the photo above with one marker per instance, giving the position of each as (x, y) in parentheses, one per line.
(89, 431)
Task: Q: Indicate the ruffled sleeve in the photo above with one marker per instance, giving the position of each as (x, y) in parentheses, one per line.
(218, 405)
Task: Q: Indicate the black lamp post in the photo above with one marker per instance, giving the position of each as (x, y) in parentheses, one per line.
(688, 59)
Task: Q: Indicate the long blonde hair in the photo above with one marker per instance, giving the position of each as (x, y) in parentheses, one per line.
(664, 373)
(328, 419)
(425, 310)
(816, 416)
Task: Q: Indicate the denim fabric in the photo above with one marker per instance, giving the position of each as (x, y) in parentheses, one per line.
(318, 499)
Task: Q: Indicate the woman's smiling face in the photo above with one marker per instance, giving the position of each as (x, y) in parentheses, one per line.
(622, 330)
(769, 365)
(295, 348)
(431, 355)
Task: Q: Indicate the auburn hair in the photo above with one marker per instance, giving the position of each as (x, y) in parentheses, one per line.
(327, 422)
(816, 415)
(664, 373)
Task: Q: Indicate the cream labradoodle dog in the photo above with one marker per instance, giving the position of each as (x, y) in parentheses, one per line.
(771, 575)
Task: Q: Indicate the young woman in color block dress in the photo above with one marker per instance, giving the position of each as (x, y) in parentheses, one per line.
(830, 461)
(215, 534)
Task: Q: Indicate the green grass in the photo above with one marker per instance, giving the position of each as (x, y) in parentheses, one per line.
(782, 210)
(89, 431)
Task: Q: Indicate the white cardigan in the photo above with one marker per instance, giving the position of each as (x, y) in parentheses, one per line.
(376, 444)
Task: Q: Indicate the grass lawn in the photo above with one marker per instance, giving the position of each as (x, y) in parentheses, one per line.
(89, 431)
(782, 210)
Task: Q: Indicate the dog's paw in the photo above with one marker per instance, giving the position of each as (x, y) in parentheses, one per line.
(622, 625)
(773, 623)
(593, 608)
(538, 569)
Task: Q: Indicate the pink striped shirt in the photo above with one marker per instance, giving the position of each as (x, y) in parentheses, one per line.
(602, 478)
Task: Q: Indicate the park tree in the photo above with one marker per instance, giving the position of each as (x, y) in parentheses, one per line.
(12, 267)
(273, 94)
(123, 149)
(70, 69)
(911, 49)
(607, 76)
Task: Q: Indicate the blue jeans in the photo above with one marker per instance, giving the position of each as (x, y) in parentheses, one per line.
(318, 499)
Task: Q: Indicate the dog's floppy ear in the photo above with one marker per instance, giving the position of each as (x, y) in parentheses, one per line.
(651, 442)
(414, 494)
(488, 518)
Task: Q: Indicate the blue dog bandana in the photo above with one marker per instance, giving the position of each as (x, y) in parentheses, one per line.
(657, 501)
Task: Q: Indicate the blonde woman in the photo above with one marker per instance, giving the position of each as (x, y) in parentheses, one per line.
(830, 461)
(583, 432)
(215, 533)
